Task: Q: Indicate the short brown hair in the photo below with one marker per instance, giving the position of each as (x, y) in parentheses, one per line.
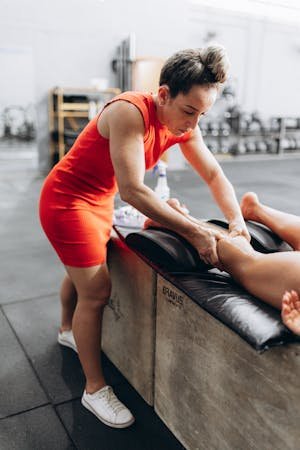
(202, 66)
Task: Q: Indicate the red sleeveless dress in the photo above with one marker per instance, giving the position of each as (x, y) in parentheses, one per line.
(77, 197)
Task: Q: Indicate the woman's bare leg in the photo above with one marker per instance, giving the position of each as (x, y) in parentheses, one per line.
(274, 278)
(268, 277)
(68, 297)
(93, 288)
(287, 226)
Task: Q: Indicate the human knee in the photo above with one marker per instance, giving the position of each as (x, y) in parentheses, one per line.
(93, 301)
(96, 298)
(93, 286)
(235, 254)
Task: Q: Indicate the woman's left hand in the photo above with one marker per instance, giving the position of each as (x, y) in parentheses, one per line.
(238, 228)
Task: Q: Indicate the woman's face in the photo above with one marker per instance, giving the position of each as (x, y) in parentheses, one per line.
(182, 113)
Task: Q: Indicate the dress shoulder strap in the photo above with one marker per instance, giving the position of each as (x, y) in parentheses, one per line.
(139, 99)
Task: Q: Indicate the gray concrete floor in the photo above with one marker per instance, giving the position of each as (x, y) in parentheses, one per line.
(41, 383)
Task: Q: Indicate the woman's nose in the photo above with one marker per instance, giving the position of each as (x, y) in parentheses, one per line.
(192, 123)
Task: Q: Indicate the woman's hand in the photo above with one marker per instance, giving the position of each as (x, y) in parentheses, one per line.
(204, 238)
(238, 227)
(205, 242)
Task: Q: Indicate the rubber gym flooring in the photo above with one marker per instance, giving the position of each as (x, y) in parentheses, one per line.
(41, 383)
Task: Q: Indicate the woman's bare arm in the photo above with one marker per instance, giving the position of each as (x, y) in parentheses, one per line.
(126, 131)
(205, 164)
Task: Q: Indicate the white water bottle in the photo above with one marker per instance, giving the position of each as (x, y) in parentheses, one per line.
(162, 189)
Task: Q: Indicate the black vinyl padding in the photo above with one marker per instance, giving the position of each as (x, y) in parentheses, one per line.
(166, 249)
(256, 322)
(262, 238)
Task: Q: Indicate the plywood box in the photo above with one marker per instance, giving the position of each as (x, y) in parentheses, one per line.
(213, 390)
(129, 319)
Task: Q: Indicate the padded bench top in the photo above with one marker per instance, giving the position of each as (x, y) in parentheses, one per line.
(215, 291)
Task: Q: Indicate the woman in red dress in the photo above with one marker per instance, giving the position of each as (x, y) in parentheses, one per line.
(112, 153)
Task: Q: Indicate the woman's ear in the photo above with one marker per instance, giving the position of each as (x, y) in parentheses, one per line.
(163, 94)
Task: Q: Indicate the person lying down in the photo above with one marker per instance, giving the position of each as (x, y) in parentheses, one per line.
(275, 277)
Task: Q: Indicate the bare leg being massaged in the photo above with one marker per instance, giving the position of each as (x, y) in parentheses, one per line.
(274, 277)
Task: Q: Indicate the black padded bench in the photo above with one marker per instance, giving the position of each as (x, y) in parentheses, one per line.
(215, 291)
(185, 330)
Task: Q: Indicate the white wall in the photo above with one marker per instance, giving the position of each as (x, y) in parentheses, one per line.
(22, 92)
(278, 86)
(265, 58)
(73, 41)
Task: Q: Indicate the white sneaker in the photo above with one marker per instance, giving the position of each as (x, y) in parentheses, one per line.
(108, 408)
(66, 338)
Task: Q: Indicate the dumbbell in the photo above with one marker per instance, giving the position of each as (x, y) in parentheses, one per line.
(224, 129)
(271, 146)
(238, 148)
(224, 149)
(261, 147)
(251, 147)
(213, 147)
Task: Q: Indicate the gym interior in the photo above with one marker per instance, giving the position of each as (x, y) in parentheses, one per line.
(201, 362)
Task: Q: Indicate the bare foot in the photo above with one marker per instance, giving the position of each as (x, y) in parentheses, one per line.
(290, 311)
(248, 205)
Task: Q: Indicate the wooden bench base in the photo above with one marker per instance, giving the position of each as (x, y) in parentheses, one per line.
(129, 319)
(209, 386)
(213, 390)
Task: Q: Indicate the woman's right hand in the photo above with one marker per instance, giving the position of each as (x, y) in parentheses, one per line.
(205, 241)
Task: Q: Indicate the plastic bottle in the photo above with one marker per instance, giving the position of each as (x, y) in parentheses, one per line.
(162, 189)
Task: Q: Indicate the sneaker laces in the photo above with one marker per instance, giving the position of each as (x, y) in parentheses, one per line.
(111, 400)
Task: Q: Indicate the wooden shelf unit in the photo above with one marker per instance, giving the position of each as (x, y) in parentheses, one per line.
(63, 107)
